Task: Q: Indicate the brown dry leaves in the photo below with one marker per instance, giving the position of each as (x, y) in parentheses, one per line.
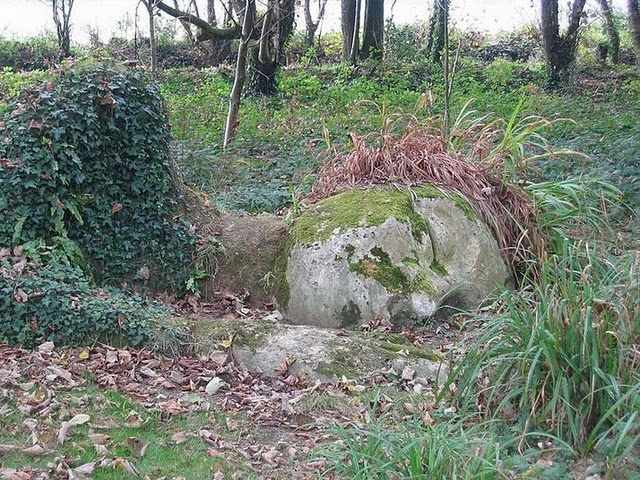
(35, 380)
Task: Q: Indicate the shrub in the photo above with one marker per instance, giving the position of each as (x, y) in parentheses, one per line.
(87, 158)
(35, 53)
(562, 357)
(54, 302)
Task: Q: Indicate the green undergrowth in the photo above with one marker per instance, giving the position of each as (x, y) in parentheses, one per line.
(278, 149)
(57, 302)
(559, 358)
(128, 428)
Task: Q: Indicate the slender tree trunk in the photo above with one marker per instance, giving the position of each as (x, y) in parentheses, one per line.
(61, 18)
(241, 72)
(153, 46)
(612, 30)
(438, 29)
(355, 40)
(634, 26)
(559, 49)
(373, 37)
(186, 25)
(348, 24)
(310, 25)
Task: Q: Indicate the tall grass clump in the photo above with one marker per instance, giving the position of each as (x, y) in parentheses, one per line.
(561, 357)
(413, 450)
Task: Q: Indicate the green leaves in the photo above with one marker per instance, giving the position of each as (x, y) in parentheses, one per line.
(101, 136)
(56, 303)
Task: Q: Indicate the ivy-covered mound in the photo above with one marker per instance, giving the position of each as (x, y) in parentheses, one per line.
(41, 303)
(86, 159)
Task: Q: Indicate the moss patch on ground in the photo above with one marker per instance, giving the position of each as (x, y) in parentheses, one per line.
(209, 334)
(393, 345)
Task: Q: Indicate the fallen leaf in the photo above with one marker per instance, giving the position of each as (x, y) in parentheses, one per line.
(214, 385)
(179, 437)
(101, 449)
(62, 433)
(408, 373)
(86, 469)
(133, 420)
(60, 372)
(20, 296)
(271, 455)
(99, 438)
(79, 419)
(46, 347)
(84, 354)
(35, 450)
(137, 446)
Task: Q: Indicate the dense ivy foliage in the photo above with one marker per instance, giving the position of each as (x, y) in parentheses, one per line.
(41, 303)
(86, 159)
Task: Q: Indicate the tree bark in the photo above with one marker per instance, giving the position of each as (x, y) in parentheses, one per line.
(373, 37)
(153, 47)
(241, 72)
(438, 29)
(634, 26)
(348, 24)
(355, 40)
(61, 18)
(559, 49)
(612, 30)
(311, 26)
(265, 58)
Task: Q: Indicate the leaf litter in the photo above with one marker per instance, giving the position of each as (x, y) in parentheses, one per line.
(269, 429)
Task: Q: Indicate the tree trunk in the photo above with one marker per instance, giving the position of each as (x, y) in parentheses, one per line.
(277, 26)
(438, 29)
(61, 18)
(373, 37)
(153, 46)
(310, 25)
(348, 24)
(355, 40)
(241, 71)
(559, 50)
(634, 26)
(265, 58)
(612, 30)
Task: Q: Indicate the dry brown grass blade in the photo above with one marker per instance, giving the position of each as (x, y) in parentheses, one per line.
(421, 156)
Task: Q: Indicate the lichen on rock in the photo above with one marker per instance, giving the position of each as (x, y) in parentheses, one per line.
(386, 252)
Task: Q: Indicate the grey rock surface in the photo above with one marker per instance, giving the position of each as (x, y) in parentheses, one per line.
(392, 270)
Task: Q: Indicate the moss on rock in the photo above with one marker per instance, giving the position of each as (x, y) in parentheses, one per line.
(357, 208)
(380, 267)
(366, 208)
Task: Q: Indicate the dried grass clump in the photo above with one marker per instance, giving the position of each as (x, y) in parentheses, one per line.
(423, 155)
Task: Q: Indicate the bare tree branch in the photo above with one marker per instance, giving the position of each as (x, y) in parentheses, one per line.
(207, 31)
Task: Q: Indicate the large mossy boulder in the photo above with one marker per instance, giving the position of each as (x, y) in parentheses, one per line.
(386, 253)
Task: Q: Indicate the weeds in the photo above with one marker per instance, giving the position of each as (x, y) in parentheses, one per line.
(413, 450)
(562, 356)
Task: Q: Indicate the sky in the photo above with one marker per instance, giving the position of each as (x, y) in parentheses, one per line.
(107, 17)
